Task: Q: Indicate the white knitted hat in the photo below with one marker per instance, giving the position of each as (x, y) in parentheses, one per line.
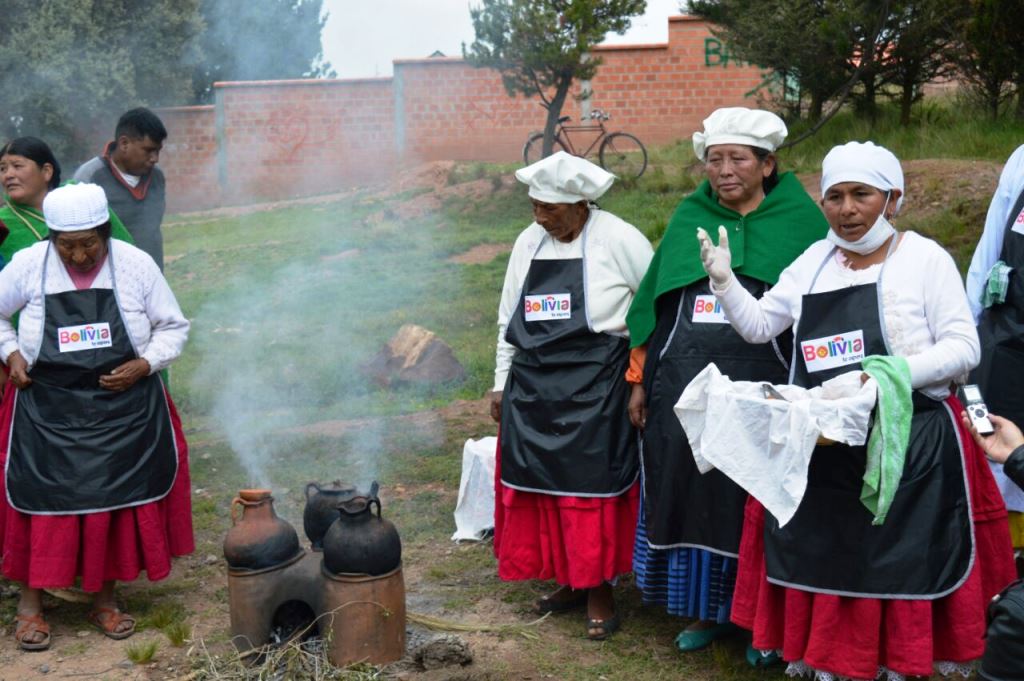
(564, 178)
(863, 162)
(75, 207)
(740, 125)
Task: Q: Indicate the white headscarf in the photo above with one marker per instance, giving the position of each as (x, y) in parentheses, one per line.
(564, 178)
(740, 125)
(75, 207)
(863, 162)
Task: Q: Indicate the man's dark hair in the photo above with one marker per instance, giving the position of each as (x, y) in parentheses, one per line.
(139, 123)
(36, 150)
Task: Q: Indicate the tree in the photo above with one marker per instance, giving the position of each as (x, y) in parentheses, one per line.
(990, 57)
(264, 40)
(919, 38)
(542, 46)
(812, 41)
(70, 67)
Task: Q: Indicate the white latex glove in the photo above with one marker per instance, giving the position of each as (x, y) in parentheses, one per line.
(717, 260)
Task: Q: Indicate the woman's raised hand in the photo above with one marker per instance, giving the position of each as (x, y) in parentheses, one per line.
(717, 260)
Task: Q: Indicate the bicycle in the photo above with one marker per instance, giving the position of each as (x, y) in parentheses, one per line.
(619, 153)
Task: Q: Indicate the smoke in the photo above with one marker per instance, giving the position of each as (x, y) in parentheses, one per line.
(281, 345)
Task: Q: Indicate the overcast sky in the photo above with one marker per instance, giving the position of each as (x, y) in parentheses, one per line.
(361, 38)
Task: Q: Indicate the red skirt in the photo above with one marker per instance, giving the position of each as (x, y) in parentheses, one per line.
(50, 551)
(854, 637)
(579, 542)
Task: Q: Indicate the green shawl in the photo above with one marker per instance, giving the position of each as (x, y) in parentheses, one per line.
(27, 226)
(763, 243)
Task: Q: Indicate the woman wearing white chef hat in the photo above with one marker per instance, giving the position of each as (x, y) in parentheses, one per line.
(567, 497)
(95, 459)
(889, 560)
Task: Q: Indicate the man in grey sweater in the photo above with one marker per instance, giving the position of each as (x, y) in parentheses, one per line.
(133, 184)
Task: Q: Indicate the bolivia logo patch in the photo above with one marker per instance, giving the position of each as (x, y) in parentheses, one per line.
(550, 306)
(833, 351)
(707, 310)
(85, 337)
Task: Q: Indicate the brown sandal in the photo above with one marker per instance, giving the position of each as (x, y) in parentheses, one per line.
(107, 620)
(26, 625)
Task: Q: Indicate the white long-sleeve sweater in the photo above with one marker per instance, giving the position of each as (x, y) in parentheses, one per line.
(616, 260)
(157, 328)
(1011, 183)
(927, 319)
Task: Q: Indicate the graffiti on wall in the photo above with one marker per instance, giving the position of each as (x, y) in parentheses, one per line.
(291, 131)
(717, 54)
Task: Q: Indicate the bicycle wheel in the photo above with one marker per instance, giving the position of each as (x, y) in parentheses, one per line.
(623, 155)
(534, 145)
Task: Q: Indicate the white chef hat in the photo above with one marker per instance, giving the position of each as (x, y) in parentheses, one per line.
(75, 207)
(564, 178)
(740, 125)
(863, 162)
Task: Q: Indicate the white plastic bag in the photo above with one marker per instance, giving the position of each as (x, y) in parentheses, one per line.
(474, 511)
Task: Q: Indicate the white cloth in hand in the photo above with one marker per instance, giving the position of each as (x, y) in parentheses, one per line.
(765, 445)
(717, 260)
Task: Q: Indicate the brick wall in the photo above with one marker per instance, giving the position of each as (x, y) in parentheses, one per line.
(189, 157)
(275, 139)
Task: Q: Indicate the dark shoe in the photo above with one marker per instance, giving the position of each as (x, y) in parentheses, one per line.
(546, 604)
(599, 630)
(757, 658)
(26, 625)
(695, 639)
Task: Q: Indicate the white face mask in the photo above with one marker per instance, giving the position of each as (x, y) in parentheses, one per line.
(872, 239)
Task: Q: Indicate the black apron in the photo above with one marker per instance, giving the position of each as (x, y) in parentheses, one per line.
(76, 447)
(681, 506)
(565, 426)
(1000, 375)
(924, 550)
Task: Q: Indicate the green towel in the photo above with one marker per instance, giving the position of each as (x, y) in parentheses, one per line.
(887, 443)
(995, 287)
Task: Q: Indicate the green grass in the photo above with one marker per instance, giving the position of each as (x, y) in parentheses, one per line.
(142, 652)
(282, 326)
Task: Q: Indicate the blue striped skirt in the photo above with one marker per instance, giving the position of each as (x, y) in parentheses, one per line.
(689, 582)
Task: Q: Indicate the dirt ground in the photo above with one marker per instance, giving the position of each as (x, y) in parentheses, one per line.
(198, 581)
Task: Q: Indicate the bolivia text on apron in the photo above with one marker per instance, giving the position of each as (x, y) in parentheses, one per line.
(681, 506)
(74, 446)
(565, 428)
(925, 548)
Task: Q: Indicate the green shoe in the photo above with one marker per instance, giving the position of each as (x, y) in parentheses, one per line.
(696, 639)
(757, 658)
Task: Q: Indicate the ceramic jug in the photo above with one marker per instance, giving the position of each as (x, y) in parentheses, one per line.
(361, 542)
(322, 508)
(258, 539)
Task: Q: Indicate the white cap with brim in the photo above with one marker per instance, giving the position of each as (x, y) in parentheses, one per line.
(75, 207)
(564, 178)
(740, 125)
(863, 162)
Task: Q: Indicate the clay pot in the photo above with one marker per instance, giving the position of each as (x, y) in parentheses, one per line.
(322, 509)
(258, 539)
(359, 542)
